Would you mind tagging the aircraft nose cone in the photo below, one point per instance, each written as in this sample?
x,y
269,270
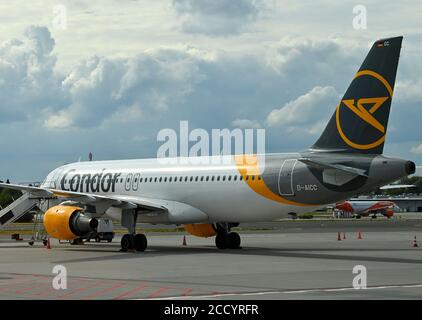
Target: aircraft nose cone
x,y
410,167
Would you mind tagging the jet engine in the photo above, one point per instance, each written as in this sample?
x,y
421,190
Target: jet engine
x,y
203,230
68,222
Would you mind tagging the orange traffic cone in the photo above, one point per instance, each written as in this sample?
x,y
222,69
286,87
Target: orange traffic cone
x,y
48,244
360,235
184,241
344,235
414,243
338,236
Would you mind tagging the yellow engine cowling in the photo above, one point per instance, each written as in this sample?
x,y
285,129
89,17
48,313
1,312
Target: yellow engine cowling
x,y
203,230
68,222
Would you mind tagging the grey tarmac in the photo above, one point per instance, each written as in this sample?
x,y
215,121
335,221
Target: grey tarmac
x,y
283,260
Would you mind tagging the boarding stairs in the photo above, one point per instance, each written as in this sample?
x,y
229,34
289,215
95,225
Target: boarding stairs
x,y
16,209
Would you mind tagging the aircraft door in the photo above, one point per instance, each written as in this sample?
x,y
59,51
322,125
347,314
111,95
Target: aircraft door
x,y
285,177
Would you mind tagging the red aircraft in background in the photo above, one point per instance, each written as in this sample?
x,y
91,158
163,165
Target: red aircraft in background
x,y
366,208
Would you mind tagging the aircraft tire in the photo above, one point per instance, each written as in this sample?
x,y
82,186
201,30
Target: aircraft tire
x,y
127,243
234,240
141,242
221,241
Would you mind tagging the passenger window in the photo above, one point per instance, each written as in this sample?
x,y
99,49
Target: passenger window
x,y
240,178
196,178
253,178
202,178
247,178
218,178
224,178
229,178
186,179
180,179
234,178
207,178
212,178
150,179
191,178
165,179
170,179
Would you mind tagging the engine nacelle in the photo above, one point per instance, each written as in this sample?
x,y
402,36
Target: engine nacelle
x,y
389,213
203,230
68,222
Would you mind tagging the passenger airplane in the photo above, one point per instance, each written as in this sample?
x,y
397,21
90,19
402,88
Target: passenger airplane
x,y
210,199
367,208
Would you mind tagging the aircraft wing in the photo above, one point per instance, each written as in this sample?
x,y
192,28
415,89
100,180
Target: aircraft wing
x,y
36,191
88,198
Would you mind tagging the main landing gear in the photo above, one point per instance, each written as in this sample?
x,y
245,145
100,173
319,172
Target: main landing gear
x,y
136,242
131,240
226,239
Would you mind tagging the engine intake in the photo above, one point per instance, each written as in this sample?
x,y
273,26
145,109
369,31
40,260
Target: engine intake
x,y
68,222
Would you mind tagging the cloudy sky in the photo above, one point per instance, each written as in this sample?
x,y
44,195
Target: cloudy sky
x,y
105,76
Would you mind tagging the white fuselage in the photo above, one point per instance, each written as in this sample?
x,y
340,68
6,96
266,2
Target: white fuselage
x,y
213,187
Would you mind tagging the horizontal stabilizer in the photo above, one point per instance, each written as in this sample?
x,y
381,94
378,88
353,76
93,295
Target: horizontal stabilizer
x,y
324,165
398,186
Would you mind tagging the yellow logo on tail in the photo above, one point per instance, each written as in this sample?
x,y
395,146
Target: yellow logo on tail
x,y
367,115
364,114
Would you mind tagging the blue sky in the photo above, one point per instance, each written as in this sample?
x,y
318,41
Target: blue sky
x,y
122,70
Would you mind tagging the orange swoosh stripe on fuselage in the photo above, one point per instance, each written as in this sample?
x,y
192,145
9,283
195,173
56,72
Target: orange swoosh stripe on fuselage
x,y
248,165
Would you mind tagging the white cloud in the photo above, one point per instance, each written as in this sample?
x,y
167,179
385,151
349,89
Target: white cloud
x,y
246,124
28,82
216,17
307,113
416,149
58,121
408,91
124,89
